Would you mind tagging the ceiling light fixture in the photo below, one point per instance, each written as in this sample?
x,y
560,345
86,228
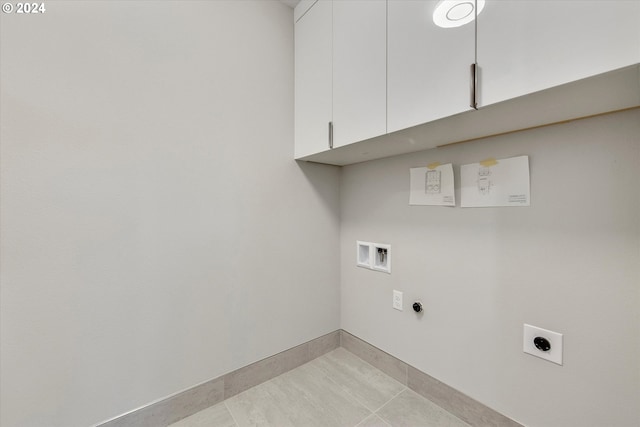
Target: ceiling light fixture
x,y
454,13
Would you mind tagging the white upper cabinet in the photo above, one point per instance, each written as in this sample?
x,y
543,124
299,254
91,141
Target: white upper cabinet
x,y
313,79
388,80
428,66
341,78
525,46
359,70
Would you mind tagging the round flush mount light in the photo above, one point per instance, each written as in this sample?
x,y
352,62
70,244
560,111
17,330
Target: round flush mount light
x,y
454,13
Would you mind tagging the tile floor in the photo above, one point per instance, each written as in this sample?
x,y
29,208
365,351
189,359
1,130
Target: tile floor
x,y
337,389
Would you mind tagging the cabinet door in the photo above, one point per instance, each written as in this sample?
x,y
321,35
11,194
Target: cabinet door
x,y
528,45
313,80
428,66
359,70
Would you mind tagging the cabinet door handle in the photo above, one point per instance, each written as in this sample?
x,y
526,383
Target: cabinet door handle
x,y
474,85
330,134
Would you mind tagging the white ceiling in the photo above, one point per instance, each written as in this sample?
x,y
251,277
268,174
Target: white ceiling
x,y
291,3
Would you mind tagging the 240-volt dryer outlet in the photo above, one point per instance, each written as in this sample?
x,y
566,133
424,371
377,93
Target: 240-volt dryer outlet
x,y
542,343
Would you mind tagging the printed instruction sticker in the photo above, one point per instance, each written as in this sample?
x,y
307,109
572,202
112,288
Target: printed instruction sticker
x,y
432,185
493,182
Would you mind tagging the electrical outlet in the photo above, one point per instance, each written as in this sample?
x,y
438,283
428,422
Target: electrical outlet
x,y
397,300
542,343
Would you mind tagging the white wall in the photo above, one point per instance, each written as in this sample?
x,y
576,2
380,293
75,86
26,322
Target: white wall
x,y
569,263
156,232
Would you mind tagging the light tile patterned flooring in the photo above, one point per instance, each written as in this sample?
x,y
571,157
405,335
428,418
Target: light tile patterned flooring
x,y
337,389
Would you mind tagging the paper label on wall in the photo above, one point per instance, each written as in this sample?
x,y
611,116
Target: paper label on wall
x,y
432,186
502,182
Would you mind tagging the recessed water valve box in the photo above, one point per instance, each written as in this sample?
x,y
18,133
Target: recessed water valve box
x,y
542,343
374,256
